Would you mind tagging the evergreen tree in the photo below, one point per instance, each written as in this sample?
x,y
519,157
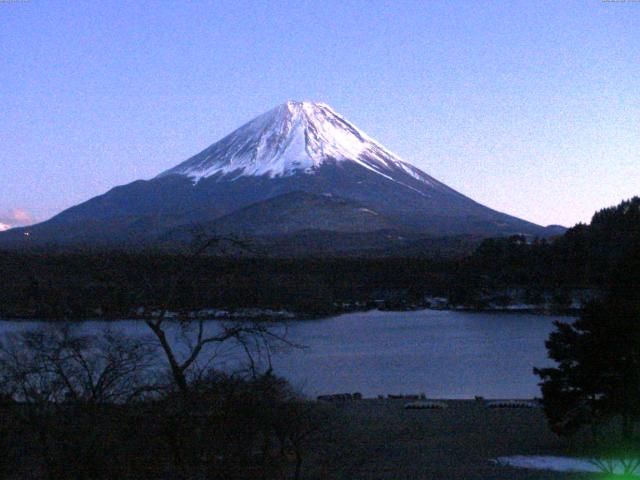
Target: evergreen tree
x,y
597,377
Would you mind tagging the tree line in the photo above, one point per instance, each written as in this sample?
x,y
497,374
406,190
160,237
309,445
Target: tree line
x,y
114,284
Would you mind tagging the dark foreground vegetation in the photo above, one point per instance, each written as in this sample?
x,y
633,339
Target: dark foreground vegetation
x,y
82,406
78,406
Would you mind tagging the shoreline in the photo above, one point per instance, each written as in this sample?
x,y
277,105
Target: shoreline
x,y
295,316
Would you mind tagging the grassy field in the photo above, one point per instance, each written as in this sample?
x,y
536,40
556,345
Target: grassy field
x,y
379,439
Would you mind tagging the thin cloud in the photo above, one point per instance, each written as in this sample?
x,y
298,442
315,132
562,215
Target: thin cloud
x,y
22,216
17,217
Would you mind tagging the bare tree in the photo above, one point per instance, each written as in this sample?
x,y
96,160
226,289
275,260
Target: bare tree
x,y
255,339
56,364
70,389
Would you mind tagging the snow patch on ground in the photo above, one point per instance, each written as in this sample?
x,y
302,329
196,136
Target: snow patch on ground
x,y
366,210
557,464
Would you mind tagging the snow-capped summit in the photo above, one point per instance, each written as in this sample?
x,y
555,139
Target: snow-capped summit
x,y
293,137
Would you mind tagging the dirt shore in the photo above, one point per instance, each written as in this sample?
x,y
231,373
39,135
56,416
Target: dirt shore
x,y
379,439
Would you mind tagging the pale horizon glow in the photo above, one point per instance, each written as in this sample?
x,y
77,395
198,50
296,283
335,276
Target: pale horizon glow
x,y
530,108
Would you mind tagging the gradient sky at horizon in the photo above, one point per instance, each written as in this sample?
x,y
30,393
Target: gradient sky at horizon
x,y
529,107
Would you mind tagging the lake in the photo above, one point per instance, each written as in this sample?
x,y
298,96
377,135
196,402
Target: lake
x,y
444,354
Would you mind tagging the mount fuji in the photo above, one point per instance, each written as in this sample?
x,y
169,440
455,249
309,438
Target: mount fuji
x,y
298,173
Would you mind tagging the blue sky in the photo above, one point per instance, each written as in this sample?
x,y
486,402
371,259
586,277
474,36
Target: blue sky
x,y
530,107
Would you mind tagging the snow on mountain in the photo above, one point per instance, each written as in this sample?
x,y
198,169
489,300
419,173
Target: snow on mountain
x,y
298,167
4,226
293,137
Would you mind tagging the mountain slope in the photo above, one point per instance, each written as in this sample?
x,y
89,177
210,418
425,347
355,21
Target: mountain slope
x,y
297,211
297,147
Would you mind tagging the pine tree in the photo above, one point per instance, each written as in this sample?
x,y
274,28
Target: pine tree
x,y
597,377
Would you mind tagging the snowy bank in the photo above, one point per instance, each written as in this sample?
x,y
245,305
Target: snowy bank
x,y
560,464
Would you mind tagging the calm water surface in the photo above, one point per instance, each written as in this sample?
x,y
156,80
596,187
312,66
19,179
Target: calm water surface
x,y
445,354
